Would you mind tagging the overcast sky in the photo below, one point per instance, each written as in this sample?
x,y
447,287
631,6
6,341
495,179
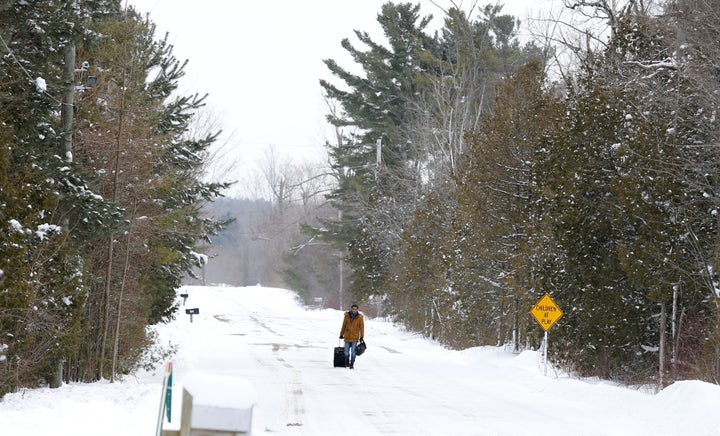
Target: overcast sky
x,y
261,62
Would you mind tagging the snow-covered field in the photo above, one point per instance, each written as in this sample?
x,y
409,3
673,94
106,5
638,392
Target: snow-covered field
x,y
403,384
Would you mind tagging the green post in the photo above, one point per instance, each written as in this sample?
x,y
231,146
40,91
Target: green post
x,y
165,399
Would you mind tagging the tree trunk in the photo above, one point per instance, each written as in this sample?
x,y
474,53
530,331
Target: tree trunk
x,y
661,354
106,321
115,195
118,316
55,379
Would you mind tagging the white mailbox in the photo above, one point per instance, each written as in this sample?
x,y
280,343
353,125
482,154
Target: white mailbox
x,y
222,405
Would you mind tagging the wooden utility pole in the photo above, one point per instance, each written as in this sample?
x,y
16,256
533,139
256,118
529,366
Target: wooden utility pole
x,y
68,105
66,118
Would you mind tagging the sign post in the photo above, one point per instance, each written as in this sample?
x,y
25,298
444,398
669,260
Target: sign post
x,y
165,399
546,313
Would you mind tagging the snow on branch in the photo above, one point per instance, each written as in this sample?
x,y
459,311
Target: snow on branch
x,y
668,63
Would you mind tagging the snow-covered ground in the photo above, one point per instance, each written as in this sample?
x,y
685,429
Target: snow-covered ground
x,y
402,385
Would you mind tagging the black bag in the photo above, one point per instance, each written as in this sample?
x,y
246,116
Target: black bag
x,y
361,347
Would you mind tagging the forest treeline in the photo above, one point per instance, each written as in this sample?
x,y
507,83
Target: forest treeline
x,y
101,191
266,245
477,171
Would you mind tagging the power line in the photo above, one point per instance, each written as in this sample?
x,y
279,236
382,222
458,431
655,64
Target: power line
x,y
12,55
275,144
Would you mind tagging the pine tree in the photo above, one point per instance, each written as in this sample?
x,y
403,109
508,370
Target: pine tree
x,y
456,97
411,92
376,197
133,139
43,194
119,171
476,55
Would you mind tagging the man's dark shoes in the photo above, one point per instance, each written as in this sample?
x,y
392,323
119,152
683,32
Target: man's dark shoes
x,y
352,365
347,363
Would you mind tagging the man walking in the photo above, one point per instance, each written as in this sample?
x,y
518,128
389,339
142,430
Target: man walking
x,y
352,330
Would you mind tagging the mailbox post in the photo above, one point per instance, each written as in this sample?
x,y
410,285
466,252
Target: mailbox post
x,y
191,312
184,297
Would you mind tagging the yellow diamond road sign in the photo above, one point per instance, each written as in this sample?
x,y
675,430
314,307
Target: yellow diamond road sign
x,y
546,312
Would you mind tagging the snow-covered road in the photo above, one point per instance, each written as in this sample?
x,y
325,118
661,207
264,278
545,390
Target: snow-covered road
x,y
402,385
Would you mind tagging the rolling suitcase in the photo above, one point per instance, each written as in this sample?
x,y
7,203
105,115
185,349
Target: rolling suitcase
x,y
339,357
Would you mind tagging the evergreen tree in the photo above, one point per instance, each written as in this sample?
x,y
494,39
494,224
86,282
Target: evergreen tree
x,y
133,140
417,87
419,289
494,255
579,176
633,218
457,97
476,54
376,197
114,182
43,195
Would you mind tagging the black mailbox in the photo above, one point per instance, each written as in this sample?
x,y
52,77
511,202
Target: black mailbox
x,y
184,297
191,312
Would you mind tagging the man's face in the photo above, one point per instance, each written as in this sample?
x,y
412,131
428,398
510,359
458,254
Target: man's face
x,y
354,309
